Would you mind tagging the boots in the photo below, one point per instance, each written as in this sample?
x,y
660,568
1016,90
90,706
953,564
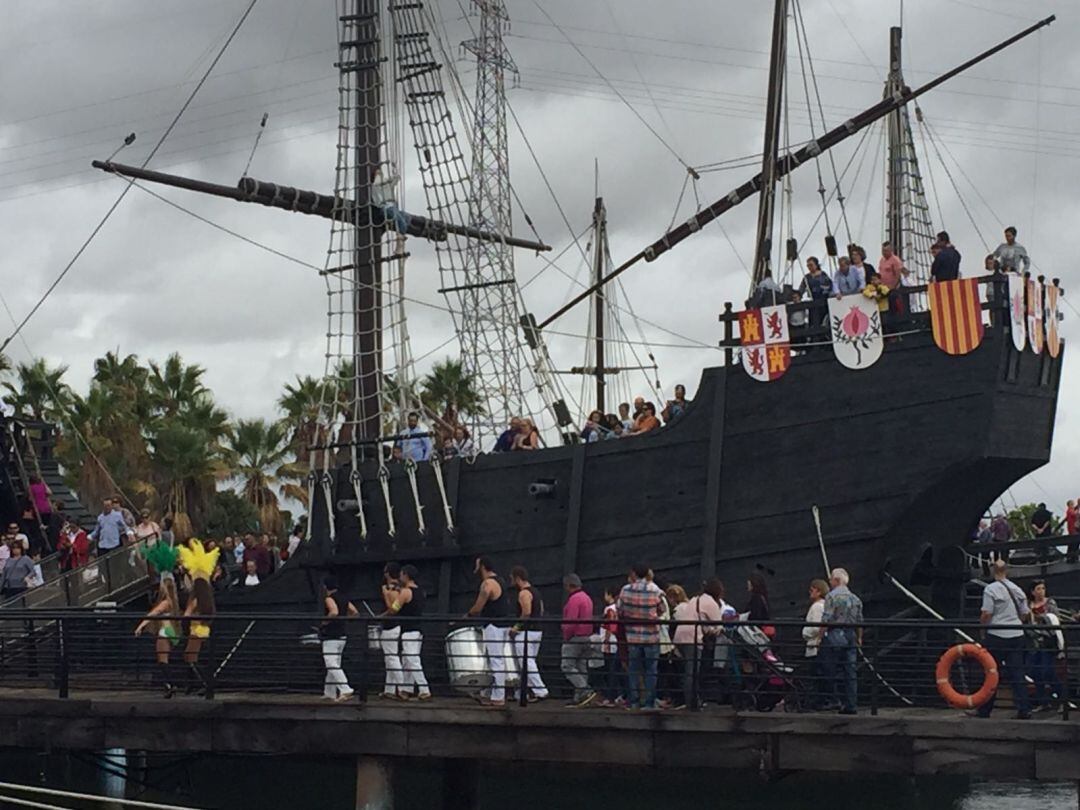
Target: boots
x,y
165,679
195,683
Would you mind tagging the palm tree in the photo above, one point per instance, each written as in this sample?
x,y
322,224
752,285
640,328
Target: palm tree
x,y
187,466
301,404
175,385
449,391
39,391
258,450
125,377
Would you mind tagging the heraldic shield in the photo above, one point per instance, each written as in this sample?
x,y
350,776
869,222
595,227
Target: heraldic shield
x,y
1017,312
766,349
855,324
1035,316
956,315
1053,339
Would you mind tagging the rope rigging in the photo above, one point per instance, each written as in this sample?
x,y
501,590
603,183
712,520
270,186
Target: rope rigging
x,y
124,192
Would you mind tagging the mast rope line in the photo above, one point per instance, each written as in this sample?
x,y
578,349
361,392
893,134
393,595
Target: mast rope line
x,y
127,188
614,89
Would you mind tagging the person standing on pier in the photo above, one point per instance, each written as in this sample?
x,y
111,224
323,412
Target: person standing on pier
x,y
167,634
527,639
639,603
840,643
332,635
493,604
409,607
577,630
390,637
1004,603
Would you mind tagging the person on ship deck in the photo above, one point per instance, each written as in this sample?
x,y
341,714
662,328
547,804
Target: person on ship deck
x,y
946,266
647,421
1011,255
675,408
820,286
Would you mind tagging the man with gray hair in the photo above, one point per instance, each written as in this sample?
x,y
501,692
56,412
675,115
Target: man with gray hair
x,y
1004,603
840,643
577,630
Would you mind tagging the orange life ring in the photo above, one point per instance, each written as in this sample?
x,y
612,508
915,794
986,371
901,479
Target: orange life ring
x,y
990,681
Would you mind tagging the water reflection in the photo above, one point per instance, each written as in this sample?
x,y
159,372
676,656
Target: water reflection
x,y
302,783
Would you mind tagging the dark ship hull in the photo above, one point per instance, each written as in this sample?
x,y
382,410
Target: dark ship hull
x,y
900,458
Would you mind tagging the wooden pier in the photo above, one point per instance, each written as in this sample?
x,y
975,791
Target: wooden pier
x,y
896,741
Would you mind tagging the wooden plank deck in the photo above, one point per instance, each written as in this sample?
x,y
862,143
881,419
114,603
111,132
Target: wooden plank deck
x,y
905,742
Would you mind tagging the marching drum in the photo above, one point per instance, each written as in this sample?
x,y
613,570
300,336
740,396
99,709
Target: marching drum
x,y
466,664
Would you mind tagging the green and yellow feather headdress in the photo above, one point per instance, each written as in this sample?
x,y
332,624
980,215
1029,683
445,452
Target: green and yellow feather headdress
x,y
197,560
161,556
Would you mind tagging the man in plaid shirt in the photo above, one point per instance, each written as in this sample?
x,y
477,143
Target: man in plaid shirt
x,y
639,603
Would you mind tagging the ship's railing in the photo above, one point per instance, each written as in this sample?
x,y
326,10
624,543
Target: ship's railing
x,y
908,320
751,666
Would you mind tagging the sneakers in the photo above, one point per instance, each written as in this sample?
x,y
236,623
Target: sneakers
x,y
586,700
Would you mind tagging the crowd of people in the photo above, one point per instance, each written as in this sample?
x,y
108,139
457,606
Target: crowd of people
x,y
416,443
885,283
660,647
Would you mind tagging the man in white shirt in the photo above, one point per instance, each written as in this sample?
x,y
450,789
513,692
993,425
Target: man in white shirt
x,y
1004,603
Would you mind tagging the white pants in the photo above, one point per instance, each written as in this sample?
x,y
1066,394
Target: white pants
x,y
336,684
530,648
413,675
390,641
495,639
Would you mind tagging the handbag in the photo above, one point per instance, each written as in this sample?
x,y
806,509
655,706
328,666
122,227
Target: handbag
x,y
1028,640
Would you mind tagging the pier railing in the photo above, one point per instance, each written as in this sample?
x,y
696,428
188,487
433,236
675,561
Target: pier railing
x,y
751,666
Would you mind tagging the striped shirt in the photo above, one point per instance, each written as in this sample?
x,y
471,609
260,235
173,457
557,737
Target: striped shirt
x,y
640,601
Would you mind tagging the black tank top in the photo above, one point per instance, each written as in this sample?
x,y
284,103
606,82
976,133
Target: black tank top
x,y
411,610
537,604
497,610
335,628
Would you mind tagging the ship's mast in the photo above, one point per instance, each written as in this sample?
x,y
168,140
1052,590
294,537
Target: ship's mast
x,y
599,302
895,123
769,171
907,214
360,57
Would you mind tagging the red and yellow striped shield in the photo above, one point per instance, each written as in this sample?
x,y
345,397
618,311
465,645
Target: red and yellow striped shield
x,y
956,315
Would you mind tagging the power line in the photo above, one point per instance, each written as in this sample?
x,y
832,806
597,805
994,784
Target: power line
x,y
630,106
127,188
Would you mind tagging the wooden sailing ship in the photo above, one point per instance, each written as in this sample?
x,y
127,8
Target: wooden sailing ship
x,y
899,459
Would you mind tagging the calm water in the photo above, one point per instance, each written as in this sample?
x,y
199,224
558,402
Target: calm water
x,y
278,783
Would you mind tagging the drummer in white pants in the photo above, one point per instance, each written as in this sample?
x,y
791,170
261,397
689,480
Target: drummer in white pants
x,y
527,641
493,603
390,639
409,606
336,686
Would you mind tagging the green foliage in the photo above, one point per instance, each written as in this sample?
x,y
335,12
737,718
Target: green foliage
x,y
1020,521
229,513
39,391
449,392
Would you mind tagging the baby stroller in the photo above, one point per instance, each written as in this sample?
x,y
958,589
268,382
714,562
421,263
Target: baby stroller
x,y
759,678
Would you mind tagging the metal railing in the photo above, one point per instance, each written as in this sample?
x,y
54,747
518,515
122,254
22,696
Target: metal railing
x,y
112,575
747,666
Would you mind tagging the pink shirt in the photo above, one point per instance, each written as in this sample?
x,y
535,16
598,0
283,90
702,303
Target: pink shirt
x,y
699,609
577,616
40,493
889,270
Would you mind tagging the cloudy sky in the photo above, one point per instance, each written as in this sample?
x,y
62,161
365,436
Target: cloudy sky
x,y
77,76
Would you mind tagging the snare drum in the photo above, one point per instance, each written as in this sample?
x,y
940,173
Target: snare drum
x,y
466,664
